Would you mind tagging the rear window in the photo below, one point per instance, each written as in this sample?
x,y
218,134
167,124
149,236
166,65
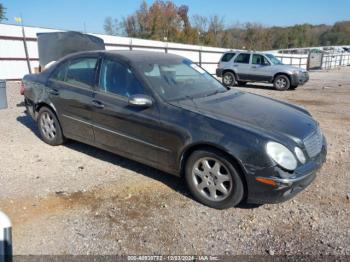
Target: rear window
x,y
243,58
60,72
81,72
227,57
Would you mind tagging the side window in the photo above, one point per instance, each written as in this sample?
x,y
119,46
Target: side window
x,y
242,58
259,60
60,72
81,72
118,79
227,57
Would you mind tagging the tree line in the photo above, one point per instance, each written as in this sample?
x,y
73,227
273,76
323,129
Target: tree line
x,y
2,12
165,21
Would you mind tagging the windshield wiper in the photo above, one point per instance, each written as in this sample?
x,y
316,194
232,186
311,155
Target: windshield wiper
x,y
215,92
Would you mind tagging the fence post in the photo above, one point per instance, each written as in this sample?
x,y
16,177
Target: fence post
x,y
130,44
5,238
200,56
3,97
341,60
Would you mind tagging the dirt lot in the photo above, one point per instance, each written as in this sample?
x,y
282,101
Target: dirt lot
x,y
75,199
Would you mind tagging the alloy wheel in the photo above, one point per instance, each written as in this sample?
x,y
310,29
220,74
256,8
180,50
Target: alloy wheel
x,y
48,126
281,83
212,179
228,79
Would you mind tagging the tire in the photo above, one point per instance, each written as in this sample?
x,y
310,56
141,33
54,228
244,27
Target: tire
x,y
49,127
293,87
241,83
281,83
217,189
228,79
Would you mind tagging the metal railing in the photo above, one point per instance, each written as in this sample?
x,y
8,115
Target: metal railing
x,y
328,60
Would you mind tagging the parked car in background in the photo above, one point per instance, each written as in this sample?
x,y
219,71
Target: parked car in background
x,y
165,111
242,67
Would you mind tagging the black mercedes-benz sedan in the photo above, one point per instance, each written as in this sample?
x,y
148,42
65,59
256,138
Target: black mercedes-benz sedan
x,y
165,111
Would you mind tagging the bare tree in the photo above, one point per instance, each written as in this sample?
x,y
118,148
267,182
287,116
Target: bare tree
x,y
112,27
216,24
200,23
109,26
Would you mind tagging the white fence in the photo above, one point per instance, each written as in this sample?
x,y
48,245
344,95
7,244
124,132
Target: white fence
x,y
14,63
13,60
328,61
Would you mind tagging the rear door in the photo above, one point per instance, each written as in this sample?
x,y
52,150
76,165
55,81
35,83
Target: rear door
x,y
260,68
70,89
118,126
241,66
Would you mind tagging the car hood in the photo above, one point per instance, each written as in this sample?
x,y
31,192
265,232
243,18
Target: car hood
x,y
288,68
275,118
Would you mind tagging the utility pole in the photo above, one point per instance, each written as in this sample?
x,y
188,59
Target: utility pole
x,y
20,21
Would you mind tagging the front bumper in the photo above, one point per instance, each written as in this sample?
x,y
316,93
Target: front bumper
x,y
288,185
300,79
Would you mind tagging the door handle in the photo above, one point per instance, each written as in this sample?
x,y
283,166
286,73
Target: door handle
x,y
54,92
98,104
254,66
235,65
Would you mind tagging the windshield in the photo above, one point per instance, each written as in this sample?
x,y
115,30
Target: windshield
x,y
274,60
180,80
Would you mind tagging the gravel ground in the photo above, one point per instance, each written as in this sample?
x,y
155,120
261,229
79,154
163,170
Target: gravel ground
x,y
75,199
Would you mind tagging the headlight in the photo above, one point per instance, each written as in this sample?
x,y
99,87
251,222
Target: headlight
x,y
281,155
300,155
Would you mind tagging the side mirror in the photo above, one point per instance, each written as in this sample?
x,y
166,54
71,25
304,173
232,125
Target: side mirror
x,y
140,101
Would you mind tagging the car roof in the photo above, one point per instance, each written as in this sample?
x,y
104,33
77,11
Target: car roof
x,y
135,56
244,51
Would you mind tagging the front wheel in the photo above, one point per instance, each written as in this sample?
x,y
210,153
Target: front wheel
x,y
281,83
213,180
49,127
228,79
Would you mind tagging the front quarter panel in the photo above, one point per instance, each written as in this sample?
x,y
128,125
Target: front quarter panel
x,y
183,129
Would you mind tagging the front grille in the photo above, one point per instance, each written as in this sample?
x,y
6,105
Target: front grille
x,y
313,143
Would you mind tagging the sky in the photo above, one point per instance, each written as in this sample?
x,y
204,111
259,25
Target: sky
x,y
75,14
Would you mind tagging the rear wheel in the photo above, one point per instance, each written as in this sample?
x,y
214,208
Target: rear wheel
x,y
281,83
293,87
228,79
49,127
213,180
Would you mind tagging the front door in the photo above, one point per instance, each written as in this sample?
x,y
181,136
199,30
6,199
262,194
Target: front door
x,y
260,68
71,91
119,127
